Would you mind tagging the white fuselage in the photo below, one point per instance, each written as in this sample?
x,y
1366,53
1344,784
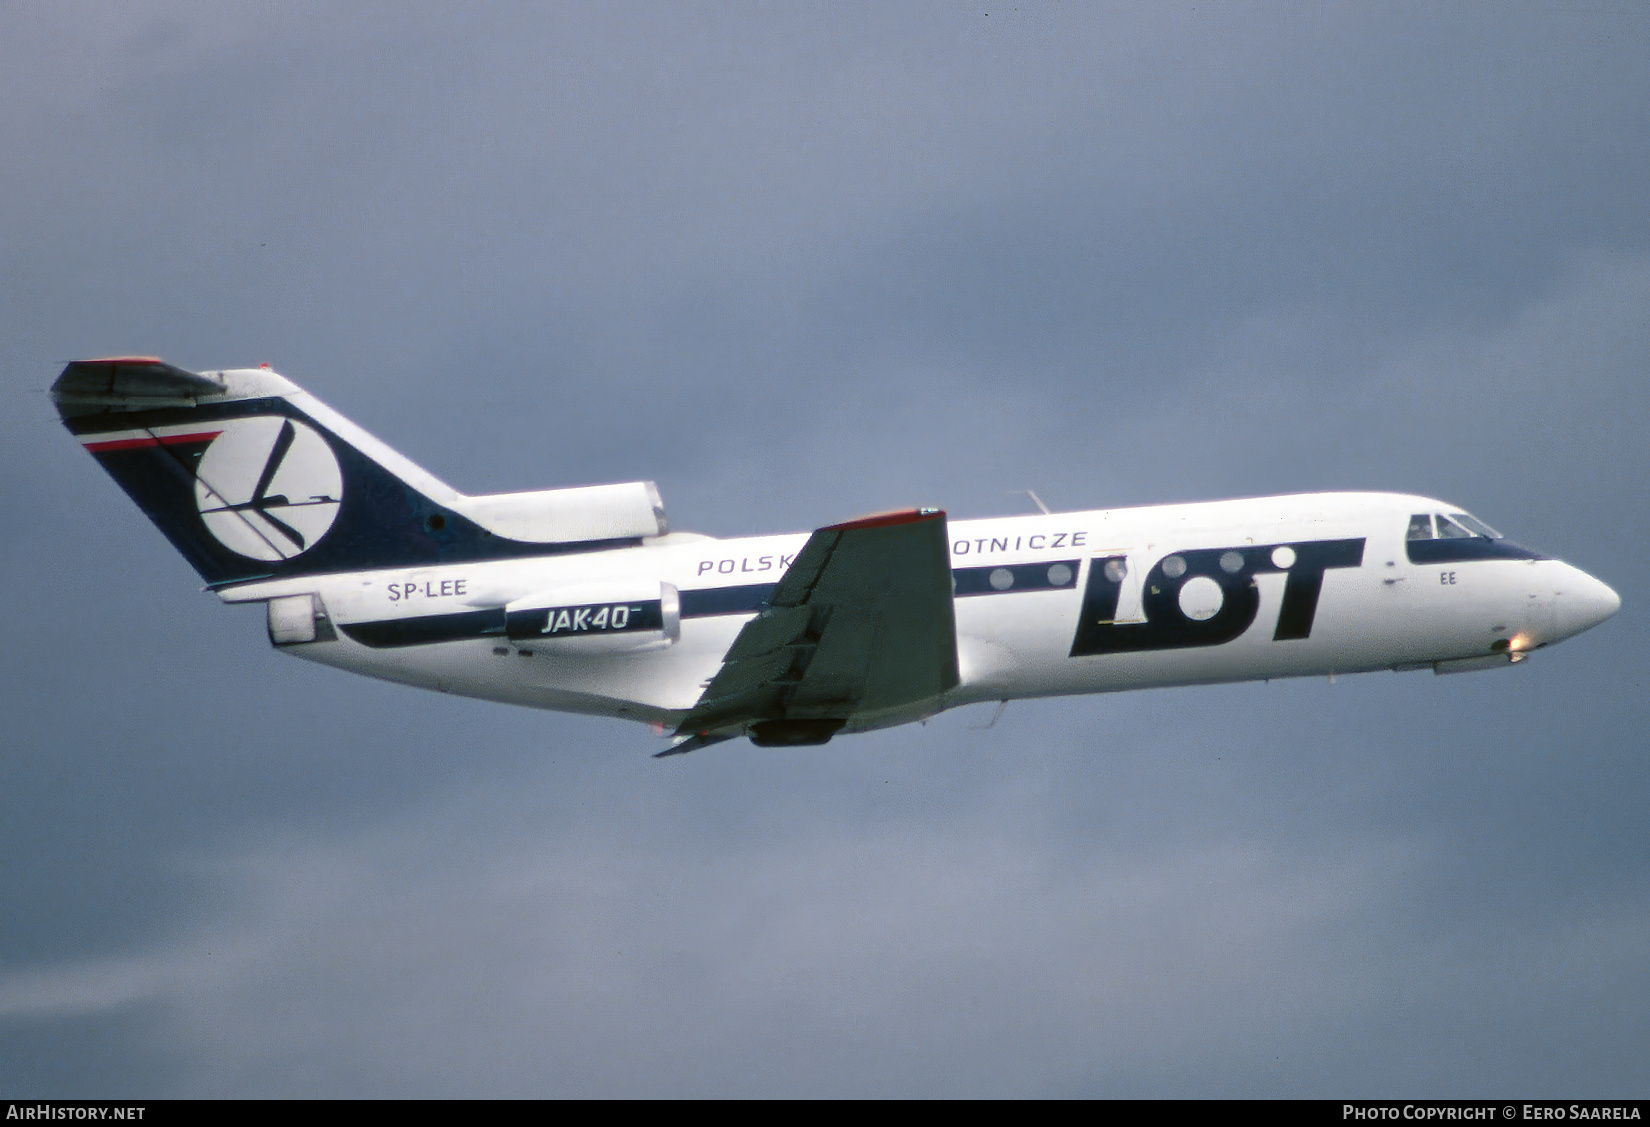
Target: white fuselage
x,y
1018,614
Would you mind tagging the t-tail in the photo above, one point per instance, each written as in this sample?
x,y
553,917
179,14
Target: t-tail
x,y
250,477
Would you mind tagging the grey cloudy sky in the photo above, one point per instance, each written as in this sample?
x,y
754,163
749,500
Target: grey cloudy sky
x,y
797,263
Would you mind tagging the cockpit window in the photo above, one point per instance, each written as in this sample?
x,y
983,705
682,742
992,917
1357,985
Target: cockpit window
x,y
1455,526
1450,538
1449,530
1474,525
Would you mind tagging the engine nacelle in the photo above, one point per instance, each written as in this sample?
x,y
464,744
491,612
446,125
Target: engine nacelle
x,y
594,618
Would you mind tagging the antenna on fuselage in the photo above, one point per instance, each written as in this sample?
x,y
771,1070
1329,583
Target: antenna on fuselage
x,y
1035,500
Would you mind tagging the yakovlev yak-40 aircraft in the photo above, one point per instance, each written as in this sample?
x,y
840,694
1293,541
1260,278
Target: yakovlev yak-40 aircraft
x,y
583,600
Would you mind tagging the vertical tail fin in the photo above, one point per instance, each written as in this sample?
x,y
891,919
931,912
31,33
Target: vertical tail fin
x,y
250,478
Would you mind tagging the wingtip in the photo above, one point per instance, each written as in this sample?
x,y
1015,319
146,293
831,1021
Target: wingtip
x,y
693,742
885,520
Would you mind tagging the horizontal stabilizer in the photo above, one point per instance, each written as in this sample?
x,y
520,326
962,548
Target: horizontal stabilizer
x,y
127,383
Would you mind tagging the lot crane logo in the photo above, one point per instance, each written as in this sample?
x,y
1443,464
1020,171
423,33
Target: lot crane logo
x,y
268,487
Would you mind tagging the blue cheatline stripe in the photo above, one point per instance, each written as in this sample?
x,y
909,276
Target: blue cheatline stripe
x,y
1463,549
708,602
427,629
1004,579
725,600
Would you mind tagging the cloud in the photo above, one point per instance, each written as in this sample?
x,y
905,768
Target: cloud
x,y
795,266
567,960
952,940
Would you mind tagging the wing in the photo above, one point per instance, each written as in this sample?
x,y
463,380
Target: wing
x,y
861,623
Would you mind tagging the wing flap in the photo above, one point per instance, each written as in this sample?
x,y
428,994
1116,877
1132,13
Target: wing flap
x,y
860,623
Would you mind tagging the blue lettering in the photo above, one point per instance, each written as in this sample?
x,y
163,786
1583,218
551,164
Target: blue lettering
x,y
1167,626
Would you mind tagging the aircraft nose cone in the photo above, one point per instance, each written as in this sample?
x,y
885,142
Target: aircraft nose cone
x,y
1586,602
